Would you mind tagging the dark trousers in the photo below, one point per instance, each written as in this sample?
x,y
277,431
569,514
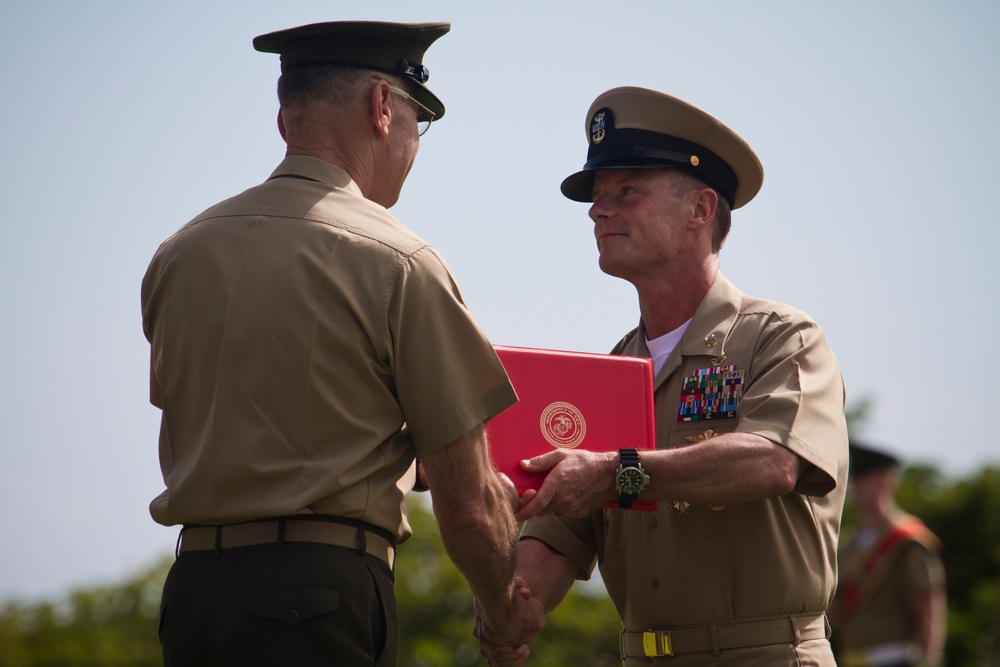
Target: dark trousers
x,y
301,604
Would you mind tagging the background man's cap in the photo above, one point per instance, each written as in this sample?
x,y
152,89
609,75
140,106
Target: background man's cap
x,y
865,458
638,128
394,48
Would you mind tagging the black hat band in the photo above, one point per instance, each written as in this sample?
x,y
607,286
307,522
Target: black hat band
x,y
624,147
406,68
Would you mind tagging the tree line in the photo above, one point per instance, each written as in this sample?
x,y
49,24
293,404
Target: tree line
x,y
116,625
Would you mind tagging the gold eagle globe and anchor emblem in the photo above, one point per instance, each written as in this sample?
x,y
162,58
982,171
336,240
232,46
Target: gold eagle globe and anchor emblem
x,y
563,425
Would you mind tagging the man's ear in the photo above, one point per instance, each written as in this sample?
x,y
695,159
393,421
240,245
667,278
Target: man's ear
x,y
705,204
281,127
379,108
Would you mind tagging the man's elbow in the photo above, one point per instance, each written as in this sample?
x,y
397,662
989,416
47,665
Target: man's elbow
x,y
464,518
784,477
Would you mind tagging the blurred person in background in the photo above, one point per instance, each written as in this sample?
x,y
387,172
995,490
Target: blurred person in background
x,y
891,603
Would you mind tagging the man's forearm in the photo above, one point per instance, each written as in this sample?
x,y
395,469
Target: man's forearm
x,y
475,518
480,537
547,573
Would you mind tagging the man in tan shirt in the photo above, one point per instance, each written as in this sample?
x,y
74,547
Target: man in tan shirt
x,y
738,563
305,346
891,604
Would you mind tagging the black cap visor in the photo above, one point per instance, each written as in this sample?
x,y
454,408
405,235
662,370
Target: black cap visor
x,y
642,149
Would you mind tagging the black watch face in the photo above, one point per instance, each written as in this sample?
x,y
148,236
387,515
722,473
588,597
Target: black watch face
x,y
630,481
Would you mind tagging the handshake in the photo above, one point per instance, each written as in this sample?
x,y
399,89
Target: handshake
x,y
506,631
508,640
514,583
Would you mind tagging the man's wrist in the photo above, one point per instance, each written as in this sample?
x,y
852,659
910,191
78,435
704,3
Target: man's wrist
x,y
614,461
630,478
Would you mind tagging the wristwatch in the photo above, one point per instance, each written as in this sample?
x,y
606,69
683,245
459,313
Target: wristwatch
x,y
630,478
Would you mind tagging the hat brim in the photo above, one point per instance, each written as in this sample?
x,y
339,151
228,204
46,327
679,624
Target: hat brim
x,y
640,128
580,186
424,95
393,48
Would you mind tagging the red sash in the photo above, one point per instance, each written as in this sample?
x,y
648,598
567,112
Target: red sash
x,y
912,528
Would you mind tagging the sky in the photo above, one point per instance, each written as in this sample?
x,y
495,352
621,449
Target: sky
x,y
876,123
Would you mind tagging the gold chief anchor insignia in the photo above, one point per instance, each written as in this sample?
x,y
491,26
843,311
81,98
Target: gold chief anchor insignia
x,y
682,505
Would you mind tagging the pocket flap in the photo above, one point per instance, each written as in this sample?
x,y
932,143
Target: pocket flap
x,y
292,604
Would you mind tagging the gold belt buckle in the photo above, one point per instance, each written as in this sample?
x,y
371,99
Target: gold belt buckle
x,y
656,644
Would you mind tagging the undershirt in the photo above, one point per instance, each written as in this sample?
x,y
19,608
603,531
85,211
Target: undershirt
x,y
661,346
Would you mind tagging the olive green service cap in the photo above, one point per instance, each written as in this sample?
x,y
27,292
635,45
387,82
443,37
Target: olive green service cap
x,y
865,458
639,128
394,48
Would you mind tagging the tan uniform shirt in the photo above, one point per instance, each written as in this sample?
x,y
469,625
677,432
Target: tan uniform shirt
x,y
885,613
669,569
304,345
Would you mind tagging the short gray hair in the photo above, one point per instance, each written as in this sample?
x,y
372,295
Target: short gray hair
x,y
335,84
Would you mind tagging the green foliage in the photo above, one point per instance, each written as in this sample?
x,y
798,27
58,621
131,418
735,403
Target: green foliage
x,y
436,612
857,414
582,631
965,515
112,626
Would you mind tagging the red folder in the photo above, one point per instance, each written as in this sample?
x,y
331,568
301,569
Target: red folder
x,y
598,402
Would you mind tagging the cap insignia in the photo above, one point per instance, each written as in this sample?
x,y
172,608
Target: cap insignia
x,y
599,126
414,70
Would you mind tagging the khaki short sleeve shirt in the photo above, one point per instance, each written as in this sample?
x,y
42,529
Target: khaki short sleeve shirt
x,y
702,565
304,346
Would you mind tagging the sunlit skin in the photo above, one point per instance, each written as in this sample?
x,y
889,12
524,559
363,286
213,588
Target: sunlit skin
x,y
656,239
376,142
637,222
401,149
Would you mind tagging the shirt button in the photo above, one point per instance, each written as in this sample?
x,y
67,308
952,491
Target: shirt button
x,y
293,614
652,522
655,583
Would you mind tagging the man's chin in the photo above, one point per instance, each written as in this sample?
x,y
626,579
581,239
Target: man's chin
x,y
609,266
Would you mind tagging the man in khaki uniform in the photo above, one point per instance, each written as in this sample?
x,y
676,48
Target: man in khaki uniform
x,y
738,563
305,346
891,604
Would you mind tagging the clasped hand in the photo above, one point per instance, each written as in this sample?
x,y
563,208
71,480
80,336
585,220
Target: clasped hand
x,y
510,642
577,482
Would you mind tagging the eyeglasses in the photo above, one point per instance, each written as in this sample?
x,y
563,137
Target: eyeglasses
x,y
424,115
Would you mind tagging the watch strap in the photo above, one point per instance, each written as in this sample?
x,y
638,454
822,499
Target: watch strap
x,y
627,458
